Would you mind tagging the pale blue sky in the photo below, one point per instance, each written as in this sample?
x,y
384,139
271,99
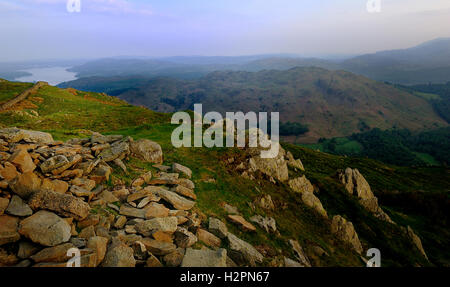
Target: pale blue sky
x,y
37,29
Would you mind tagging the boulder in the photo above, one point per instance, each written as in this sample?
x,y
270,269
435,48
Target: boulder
x,y
273,167
132,212
4,202
301,184
174,258
8,229
8,171
184,238
267,223
175,200
85,183
299,253
164,224
99,245
53,254
184,191
25,184
63,204
242,252
13,135
345,231
158,247
17,207
53,163
154,210
241,222
355,183
309,199
152,261
22,160
176,167
56,185
265,202
147,150
218,228
117,150
45,228
119,256
208,238
294,163
205,258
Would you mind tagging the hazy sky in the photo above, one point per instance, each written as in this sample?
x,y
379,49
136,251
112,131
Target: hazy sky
x,y
38,29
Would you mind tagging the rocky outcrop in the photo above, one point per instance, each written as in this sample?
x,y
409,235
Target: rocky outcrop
x,y
345,231
303,186
357,185
299,254
147,150
415,240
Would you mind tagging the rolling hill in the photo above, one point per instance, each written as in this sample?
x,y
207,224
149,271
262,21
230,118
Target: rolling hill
x,y
330,103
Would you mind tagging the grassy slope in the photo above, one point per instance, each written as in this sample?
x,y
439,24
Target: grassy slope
x,y
66,115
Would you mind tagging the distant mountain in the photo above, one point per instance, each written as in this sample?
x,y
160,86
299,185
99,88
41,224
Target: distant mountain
x,y
425,63
192,67
330,103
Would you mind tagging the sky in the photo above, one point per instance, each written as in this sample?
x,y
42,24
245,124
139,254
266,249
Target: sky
x,y
47,29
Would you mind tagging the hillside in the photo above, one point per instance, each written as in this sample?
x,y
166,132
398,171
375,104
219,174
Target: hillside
x,y
416,197
428,62
330,103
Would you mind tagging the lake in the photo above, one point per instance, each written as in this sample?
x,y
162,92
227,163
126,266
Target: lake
x,y
52,75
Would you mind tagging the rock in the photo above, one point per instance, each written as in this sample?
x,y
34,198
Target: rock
x,y
176,167
78,242
119,256
154,210
87,232
161,167
241,222
175,200
85,183
184,191
81,192
117,150
242,252
295,163
267,223
174,258
8,171
8,229
357,185
120,164
63,204
265,202
22,160
208,238
7,259
91,219
186,183
53,254
158,247
345,231
132,212
26,249
99,245
184,238
120,222
4,202
54,163
121,194
149,191
97,138
147,150
273,167
299,253
312,201
152,261
101,173
107,197
301,184
163,236
205,258
18,208
218,228
230,209
164,224
291,263
45,228
25,184
415,240
13,135
58,186
140,252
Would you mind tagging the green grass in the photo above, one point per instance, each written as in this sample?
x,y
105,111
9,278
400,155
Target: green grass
x,y
9,90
